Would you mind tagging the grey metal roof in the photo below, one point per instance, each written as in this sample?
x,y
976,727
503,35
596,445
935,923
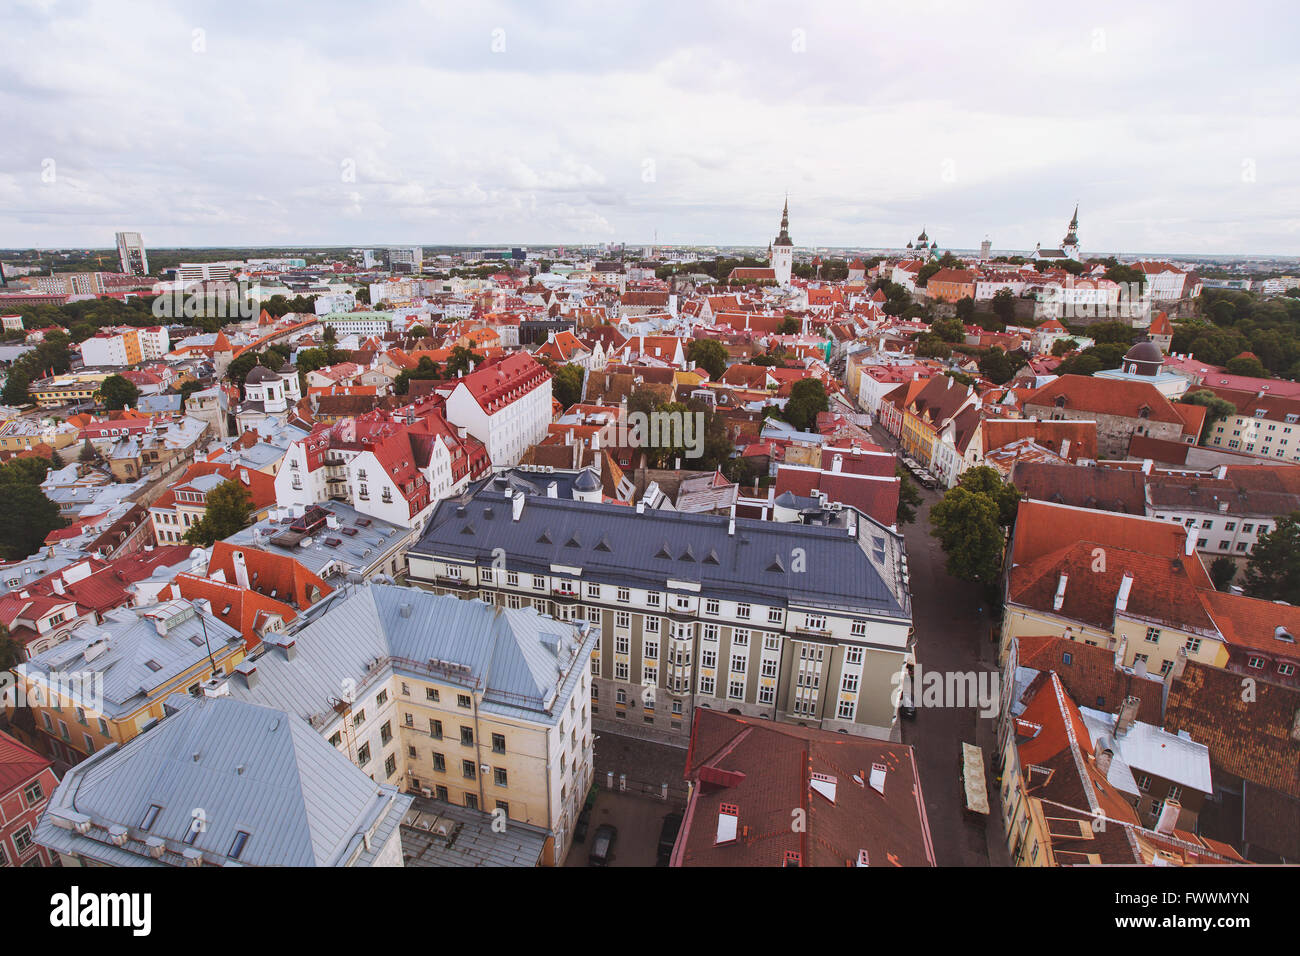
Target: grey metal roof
x,y
246,767
436,833
137,658
615,544
511,657
358,543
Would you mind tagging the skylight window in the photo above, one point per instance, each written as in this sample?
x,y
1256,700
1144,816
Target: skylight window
x,y
150,816
238,843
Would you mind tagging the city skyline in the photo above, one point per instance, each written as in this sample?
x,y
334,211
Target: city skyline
x,y
494,124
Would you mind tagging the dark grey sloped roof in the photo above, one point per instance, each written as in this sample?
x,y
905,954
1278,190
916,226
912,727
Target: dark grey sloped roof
x,y
614,544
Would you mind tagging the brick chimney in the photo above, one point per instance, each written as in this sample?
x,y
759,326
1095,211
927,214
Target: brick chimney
x,y
1127,716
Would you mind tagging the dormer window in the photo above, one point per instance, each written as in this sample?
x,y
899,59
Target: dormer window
x,y
1060,401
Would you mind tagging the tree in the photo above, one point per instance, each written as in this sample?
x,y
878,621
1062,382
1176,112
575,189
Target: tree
x,y
966,525
929,345
965,308
984,480
1061,346
460,359
1246,365
424,369
1274,569
1217,408
418,332
566,385
950,330
226,513
1000,367
26,519
331,334
909,498
11,652
710,355
1222,570
31,471
88,453
1004,306
15,391
807,398
789,326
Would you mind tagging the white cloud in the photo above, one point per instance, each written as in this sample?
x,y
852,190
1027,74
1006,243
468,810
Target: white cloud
x,y
327,124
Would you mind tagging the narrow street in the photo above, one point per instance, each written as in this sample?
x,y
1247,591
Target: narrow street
x,y
952,635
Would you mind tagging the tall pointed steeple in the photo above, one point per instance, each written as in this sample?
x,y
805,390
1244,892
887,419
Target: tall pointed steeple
x,y
782,253
784,238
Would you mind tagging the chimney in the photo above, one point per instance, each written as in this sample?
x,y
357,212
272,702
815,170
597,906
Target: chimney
x,y
1125,588
1065,448
1127,715
57,583
1169,816
1102,760
1059,600
731,522
1189,546
241,569
837,463
517,505
1146,466
289,649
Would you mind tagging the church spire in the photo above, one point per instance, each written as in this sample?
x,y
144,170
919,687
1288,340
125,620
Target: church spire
x,y
784,238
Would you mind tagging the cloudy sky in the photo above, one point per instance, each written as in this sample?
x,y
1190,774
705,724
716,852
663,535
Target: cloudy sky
x,y
228,123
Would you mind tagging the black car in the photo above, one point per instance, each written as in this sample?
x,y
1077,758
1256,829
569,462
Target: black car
x,y
602,845
668,837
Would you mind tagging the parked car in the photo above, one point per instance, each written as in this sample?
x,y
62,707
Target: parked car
x,y
602,845
668,837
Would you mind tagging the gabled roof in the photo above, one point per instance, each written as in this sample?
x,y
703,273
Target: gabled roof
x,y
19,764
251,768
756,771
1107,396
1249,735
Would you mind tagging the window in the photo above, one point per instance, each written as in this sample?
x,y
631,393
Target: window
x,y
1286,670
237,844
708,658
593,591
622,619
431,693
498,743
853,655
435,729
539,582
815,623
706,685
499,776
650,650
390,765
845,710
336,738
1193,645
363,755
467,769
774,615
471,801
464,701
1153,635
620,670
768,668
651,625
439,763
622,644
504,808
33,794
1255,662
742,612
512,579
653,598
740,637
386,732
466,736
359,718
739,662
711,608
624,595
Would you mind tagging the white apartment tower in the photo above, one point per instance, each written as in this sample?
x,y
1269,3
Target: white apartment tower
x,y
132,255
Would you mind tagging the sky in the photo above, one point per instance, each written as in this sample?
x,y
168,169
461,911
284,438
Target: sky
x,y
327,123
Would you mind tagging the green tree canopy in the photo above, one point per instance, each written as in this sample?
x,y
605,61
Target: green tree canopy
x,y
117,393
1004,306
26,518
227,511
909,498
1274,569
566,385
807,398
710,355
1217,408
966,524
